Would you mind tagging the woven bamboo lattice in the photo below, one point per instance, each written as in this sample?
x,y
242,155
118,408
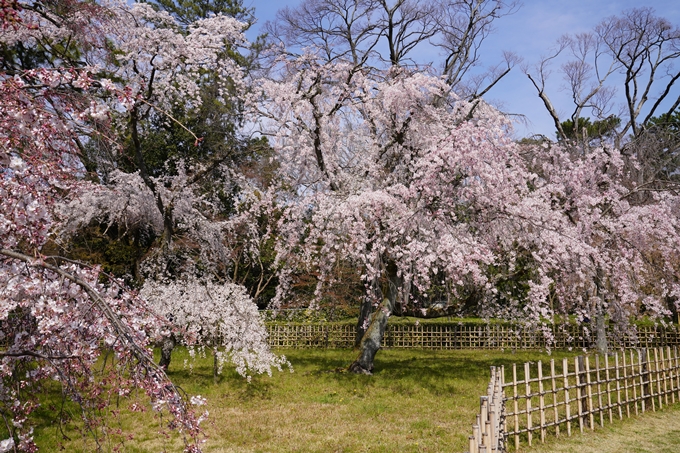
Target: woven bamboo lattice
x,y
439,335
317,335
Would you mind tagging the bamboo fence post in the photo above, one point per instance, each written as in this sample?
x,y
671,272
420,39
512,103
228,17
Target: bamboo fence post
x,y
633,380
484,417
527,387
504,418
488,432
657,377
677,370
661,376
666,373
580,396
554,398
494,430
516,404
671,373
644,386
589,388
541,400
485,437
487,409
609,388
567,403
654,380
503,378
649,380
599,389
618,384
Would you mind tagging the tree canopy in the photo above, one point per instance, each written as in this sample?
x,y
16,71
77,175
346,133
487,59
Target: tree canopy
x,y
217,175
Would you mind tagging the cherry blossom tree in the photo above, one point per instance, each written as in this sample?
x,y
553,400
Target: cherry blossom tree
x,y
75,74
57,317
383,173
221,317
622,75
418,188
611,257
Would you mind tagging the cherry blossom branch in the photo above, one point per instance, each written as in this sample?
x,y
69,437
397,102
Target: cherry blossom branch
x,y
37,355
91,292
122,331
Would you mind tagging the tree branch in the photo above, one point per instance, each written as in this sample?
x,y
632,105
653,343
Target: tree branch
x,y
37,355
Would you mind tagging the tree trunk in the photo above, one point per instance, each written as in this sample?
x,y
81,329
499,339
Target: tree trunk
x,y
601,341
370,343
167,345
364,320
216,368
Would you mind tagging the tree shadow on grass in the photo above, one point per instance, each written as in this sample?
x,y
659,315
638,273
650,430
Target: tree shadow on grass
x,y
320,360
229,383
404,371
438,372
407,372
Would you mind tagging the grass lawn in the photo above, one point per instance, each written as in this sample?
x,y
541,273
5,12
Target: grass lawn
x,y
416,401
653,432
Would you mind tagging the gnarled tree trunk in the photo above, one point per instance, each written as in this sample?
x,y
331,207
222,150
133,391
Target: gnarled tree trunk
x,y
167,345
373,295
364,320
370,343
373,336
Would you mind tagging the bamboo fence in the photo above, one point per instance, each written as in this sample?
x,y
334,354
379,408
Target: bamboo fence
x,y
453,335
311,335
580,393
487,432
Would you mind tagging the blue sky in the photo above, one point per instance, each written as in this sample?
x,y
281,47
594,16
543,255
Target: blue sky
x,y
530,33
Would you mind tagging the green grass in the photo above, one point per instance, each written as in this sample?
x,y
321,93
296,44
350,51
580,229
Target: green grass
x,y
416,401
653,432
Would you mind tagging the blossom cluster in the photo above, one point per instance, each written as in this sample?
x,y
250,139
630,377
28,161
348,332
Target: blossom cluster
x,y
221,317
389,168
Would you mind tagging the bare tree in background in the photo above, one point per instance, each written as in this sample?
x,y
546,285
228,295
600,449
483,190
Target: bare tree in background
x,y
375,33
341,29
646,47
463,26
636,51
